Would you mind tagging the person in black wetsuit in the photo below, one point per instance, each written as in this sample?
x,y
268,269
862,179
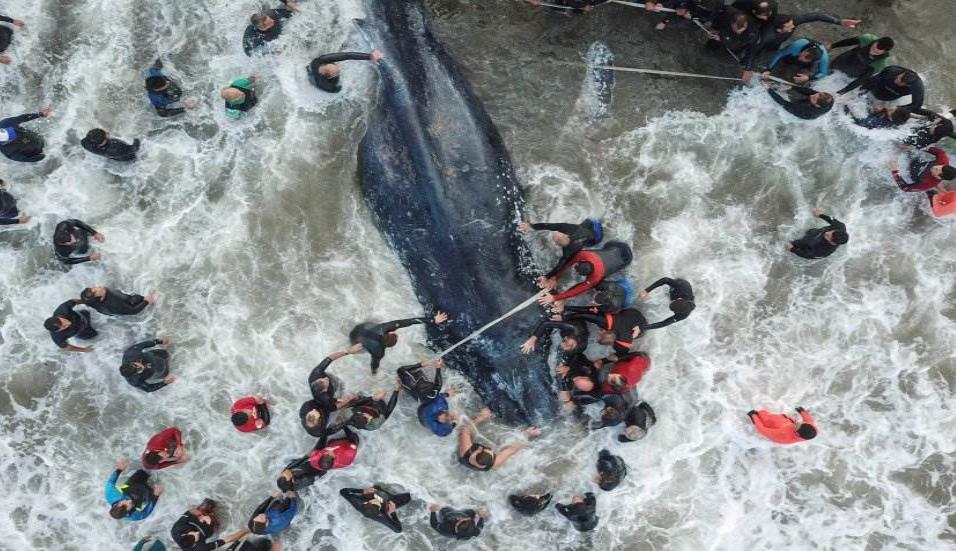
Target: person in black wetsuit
x,y
376,337
255,543
461,524
369,413
115,303
578,383
478,457
378,504
582,512
298,474
936,128
615,294
896,82
192,530
18,143
9,213
266,26
738,33
820,242
6,36
881,116
71,237
614,411
145,367
801,102
65,323
782,27
574,335
572,238
98,142
529,504
316,413
324,72
868,57
639,419
433,411
682,300
618,329
611,470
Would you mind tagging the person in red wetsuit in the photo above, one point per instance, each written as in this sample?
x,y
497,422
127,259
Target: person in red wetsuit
x,y
594,265
926,175
164,449
250,414
624,374
784,429
336,453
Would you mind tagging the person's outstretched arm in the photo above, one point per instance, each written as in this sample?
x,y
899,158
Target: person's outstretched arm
x,y
846,42
341,56
836,224
13,121
391,405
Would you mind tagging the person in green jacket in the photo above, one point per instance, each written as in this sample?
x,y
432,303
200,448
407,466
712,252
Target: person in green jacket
x,y
149,544
869,56
240,96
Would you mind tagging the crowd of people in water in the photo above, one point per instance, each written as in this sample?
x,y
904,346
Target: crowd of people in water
x,y
594,295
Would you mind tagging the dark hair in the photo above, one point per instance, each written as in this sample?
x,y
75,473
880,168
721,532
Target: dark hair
x,y
153,458
682,307
370,509
886,43
617,384
948,173
485,458
285,484
61,234
741,18
584,268
909,77
780,20
390,339
119,510
766,7
944,129
611,416
258,18
97,135
258,527
840,237
189,539
603,298
467,528
814,50
807,432
358,420
826,99
608,480
87,294
52,324
156,83
900,115
240,418
127,370
326,461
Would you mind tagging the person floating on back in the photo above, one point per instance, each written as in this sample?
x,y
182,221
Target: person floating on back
x,y
164,93
135,498
572,238
266,26
71,242
99,142
324,71
240,96
869,56
378,504
478,457
461,524
193,529
9,213
164,449
374,338
18,143
682,300
926,175
433,411
594,265
146,367
275,514
66,323
115,303
250,414
611,470
6,37
784,429
582,512
820,242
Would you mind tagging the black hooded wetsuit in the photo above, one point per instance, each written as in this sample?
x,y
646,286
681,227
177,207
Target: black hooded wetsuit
x,y
253,38
156,364
461,524
27,146
77,229
583,516
332,85
80,325
372,336
798,104
680,289
118,303
359,499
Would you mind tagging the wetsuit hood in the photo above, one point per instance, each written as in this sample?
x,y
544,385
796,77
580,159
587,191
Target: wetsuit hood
x,y
8,134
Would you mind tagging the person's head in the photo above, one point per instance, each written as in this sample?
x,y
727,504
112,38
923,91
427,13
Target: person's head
x,y
943,172
313,418
62,235
837,237
466,528
360,420
822,99
765,10
322,384
617,382
157,83
259,523
53,325
131,368
239,418
444,418
190,539
582,383
93,293
484,458
390,339
806,431
121,508
881,46
232,94
326,460
97,136
569,343
682,307
584,268
941,127
740,24
905,78
810,54
608,480
262,21
370,508
611,416
898,115
784,23
5,135
561,239
330,70
155,457
633,433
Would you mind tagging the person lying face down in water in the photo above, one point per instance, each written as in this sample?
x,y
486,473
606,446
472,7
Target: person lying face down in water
x,y
478,457
376,337
820,242
324,71
115,303
461,524
801,102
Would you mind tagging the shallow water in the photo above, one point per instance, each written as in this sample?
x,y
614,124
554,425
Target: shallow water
x,y
257,239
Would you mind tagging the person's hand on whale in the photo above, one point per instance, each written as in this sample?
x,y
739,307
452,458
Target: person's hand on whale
x,y
545,282
440,317
376,56
527,346
545,300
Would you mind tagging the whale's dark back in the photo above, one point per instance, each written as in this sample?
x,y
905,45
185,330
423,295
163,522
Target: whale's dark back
x,y
436,175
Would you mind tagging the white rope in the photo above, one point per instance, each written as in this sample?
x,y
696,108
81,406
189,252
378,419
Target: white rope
x,y
493,322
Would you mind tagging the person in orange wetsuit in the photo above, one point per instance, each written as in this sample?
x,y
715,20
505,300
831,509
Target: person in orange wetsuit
x,y
782,428
594,265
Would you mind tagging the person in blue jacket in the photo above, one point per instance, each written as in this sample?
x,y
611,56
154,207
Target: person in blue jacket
x,y
164,93
433,413
800,62
135,498
275,514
